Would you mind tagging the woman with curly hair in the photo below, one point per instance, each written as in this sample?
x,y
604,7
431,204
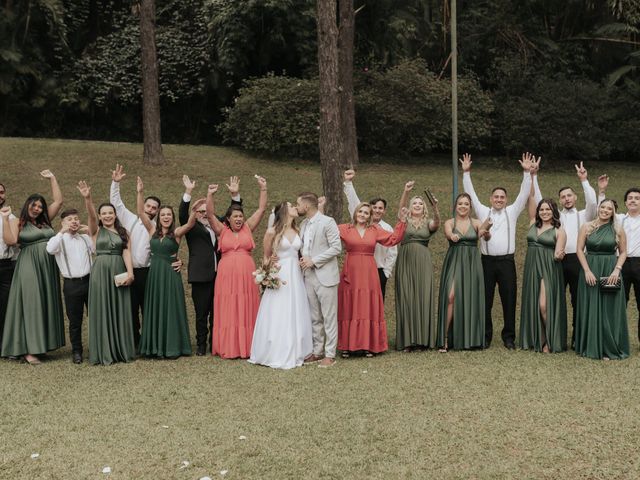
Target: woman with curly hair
x,y
543,311
416,326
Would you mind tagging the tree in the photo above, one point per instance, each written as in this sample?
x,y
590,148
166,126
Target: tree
x,y
152,152
346,34
330,134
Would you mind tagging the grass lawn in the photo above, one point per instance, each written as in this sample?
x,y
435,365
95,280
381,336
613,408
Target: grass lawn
x,y
486,414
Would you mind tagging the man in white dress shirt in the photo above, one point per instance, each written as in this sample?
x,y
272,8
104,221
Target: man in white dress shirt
x,y
140,248
497,253
385,257
630,221
572,219
73,252
8,257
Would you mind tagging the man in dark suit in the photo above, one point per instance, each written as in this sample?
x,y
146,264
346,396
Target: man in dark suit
x,y
203,259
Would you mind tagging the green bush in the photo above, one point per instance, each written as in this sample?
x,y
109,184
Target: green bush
x,y
274,115
558,117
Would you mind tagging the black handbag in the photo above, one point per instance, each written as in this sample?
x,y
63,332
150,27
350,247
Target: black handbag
x,y
606,287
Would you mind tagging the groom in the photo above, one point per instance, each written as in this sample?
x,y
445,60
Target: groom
x,y
320,248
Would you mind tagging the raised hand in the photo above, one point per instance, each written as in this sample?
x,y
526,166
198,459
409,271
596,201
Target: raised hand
x,y
603,182
47,174
526,161
262,182
349,175
409,185
189,184
403,214
322,203
118,174
84,189
465,162
139,185
534,165
233,185
212,189
581,172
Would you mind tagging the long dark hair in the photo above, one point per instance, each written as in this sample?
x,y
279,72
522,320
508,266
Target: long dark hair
x,y
234,207
42,219
122,232
172,227
555,221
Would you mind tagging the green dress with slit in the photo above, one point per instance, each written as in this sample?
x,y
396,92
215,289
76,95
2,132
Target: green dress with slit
x,y
165,331
415,322
601,317
110,321
462,270
541,267
34,322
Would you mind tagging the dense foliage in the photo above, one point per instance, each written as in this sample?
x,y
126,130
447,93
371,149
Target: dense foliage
x,y
562,78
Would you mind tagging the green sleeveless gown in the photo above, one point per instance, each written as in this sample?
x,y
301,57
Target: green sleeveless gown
x,y
165,331
110,322
34,322
462,268
601,318
540,265
415,323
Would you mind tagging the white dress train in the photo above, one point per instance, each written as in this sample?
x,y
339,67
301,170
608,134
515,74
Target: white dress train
x,y
282,337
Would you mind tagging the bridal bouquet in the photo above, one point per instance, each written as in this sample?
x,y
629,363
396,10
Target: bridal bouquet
x,y
267,277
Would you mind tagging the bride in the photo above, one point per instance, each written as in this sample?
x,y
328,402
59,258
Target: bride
x,y
282,335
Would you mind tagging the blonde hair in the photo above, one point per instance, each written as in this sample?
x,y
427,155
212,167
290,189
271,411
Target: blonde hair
x,y
281,214
425,213
593,225
354,220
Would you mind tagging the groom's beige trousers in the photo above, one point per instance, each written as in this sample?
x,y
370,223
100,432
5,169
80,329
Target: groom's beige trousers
x,y
323,302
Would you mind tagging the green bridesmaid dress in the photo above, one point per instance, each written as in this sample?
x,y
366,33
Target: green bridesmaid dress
x,y
462,269
165,331
110,322
540,266
34,323
601,317
415,323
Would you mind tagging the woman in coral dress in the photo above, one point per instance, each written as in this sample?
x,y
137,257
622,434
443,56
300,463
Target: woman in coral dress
x,y
361,324
236,299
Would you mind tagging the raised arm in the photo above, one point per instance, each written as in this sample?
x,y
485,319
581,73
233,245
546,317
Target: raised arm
x,y
216,224
481,210
148,224
525,187
603,183
389,239
404,198
182,230
56,193
183,211
9,227
534,193
254,220
126,217
434,223
92,221
349,190
234,190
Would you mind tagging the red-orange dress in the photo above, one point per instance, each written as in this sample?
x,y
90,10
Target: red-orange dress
x,y
236,299
361,324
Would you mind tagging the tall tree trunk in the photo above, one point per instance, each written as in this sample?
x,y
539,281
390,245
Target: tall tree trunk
x,y
150,91
346,33
330,135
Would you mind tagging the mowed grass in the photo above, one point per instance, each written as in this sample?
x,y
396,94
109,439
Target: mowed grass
x,y
486,414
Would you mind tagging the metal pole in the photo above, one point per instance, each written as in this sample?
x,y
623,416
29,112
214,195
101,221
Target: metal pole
x,y
454,102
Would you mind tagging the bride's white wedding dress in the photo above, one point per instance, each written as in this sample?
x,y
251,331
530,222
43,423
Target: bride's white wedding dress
x,y
282,336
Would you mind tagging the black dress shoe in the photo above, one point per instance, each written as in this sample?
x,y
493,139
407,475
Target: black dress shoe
x,y
510,345
201,351
77,357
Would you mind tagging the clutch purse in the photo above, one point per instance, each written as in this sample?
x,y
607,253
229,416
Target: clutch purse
x,y
120,278
605,287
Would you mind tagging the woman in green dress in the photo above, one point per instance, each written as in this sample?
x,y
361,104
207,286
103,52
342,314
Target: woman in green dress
x,y
110,322
34,323
543,309
165,330
461,300
601,317
415,323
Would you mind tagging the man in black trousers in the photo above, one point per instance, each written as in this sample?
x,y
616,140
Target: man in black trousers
x,y
8,256
203,260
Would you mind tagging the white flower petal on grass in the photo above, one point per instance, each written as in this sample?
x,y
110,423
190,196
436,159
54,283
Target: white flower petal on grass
x,y
224,472
165,426
35,455
185,464
205,478
242,437
364,371
106,470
